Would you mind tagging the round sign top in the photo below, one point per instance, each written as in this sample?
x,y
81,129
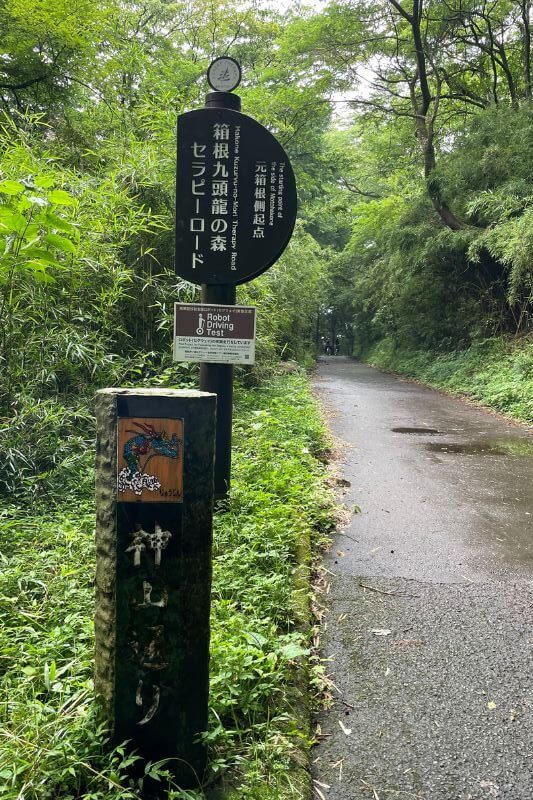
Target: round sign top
x,y
236,197
224,74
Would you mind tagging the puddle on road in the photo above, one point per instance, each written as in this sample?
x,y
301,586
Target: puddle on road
x,y
499,447
489,447
431,431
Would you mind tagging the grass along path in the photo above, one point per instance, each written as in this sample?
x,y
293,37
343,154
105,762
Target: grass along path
x,y
497,372
51,742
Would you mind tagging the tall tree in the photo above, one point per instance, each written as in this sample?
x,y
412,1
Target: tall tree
x,y
434,62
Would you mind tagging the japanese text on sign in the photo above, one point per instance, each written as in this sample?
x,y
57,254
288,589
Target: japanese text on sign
x,y
214,334
210,192
236,198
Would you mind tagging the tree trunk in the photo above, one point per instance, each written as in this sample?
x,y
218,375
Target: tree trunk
x,y
525,8
433,185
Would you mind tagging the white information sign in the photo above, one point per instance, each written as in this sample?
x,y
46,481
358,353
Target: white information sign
x,y
214,334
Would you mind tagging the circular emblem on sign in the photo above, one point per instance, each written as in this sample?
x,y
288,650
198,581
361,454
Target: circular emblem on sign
x,y
235,197
224,74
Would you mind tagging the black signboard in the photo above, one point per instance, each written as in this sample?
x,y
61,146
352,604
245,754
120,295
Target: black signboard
x,y
235,199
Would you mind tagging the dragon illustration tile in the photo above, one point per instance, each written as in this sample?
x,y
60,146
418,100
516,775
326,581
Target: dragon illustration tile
x,y
138,450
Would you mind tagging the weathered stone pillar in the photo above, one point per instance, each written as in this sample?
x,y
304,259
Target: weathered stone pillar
x,y
154,496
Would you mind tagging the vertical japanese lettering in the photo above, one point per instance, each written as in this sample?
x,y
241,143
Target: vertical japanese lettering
x,y
260,181
198,191
220,187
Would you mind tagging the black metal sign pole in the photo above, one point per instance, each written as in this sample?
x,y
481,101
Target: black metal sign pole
x,y
235,212
218,378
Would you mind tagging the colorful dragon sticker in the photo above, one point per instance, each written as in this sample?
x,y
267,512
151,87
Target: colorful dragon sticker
x,y
146,442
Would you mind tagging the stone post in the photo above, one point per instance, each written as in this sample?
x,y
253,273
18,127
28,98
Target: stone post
x,y
154,497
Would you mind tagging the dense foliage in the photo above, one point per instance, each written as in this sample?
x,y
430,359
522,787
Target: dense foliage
x,y
496,372
415,203
90,97
409,126
433,173
51,743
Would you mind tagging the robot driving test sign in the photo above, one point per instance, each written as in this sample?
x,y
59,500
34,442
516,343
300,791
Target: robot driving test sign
x,y
214,334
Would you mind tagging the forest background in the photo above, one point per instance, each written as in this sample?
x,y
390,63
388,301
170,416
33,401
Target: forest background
x,y
409,125
415,203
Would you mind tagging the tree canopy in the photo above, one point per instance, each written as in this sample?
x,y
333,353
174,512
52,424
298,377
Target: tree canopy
x,y
408,124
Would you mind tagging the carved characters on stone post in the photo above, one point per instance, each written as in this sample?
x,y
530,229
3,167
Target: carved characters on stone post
x,y
156,541
147,603
150,467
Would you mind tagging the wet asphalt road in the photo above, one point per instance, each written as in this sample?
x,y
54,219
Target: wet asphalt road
x,y
428,628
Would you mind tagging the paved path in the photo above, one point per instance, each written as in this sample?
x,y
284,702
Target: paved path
x,y
429,628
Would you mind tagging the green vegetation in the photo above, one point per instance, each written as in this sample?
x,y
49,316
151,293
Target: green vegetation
x,y
89,95
413,243
429,210
51,744
415,205
497,372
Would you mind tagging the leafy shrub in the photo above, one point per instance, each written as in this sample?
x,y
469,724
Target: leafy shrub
x,y
497,372
47,449
52,743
